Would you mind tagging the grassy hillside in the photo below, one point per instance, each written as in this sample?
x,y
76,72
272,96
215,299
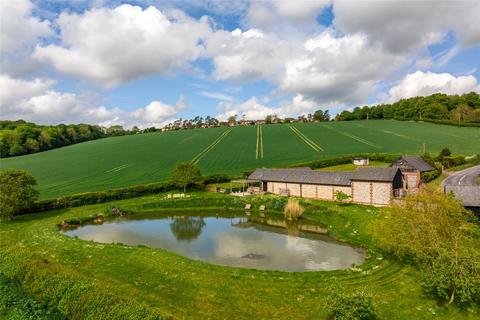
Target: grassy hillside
x,y
122,161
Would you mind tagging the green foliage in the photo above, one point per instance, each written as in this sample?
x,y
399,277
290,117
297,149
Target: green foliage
x,y
453,161
341,196
217,178
430,175
433,231
437,107
186,175
329,162
17,192
321,115
81,199
15,304
350,305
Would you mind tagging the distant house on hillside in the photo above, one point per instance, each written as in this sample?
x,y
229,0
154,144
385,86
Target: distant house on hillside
x,y
361,161
412,167
375,186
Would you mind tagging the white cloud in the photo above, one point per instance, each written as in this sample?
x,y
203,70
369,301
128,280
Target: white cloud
x,y
342,68
113,46
251,54
252,109
425,83
405,25
35,101
217,95
19,29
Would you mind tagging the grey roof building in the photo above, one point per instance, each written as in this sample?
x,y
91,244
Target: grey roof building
x,y
376,174
305,176
413,162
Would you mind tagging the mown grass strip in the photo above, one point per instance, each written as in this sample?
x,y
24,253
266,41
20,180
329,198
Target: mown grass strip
x,y
354,137
259,147
117,168
399,135
305,139
199,156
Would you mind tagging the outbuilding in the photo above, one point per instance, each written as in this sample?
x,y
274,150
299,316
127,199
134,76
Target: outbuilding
x,y
376,186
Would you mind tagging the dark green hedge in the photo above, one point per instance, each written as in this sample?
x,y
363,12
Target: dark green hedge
x,y
81,199
328,162
431,175
453,123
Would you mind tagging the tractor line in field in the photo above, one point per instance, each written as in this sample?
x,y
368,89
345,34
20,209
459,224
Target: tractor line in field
x,y
307,140
117,168
259,147
354,137
199,156
399,135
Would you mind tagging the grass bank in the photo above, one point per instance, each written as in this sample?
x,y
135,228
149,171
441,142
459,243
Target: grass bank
x,y
112,281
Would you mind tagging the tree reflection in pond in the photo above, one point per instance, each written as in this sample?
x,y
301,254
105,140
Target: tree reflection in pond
x,y
187,228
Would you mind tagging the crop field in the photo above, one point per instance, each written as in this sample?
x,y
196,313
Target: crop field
x,y
129,160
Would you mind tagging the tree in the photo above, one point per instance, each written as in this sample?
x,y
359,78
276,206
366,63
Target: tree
x,y
433,231
17,192
186,174
268,119
321,115
232,119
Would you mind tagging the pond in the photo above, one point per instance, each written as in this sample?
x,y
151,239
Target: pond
x,y
245,242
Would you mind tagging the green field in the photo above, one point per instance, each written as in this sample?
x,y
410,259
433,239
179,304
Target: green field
x,y
129,160
88,280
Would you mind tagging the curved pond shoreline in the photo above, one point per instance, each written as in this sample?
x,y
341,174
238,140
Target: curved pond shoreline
x,y
229,239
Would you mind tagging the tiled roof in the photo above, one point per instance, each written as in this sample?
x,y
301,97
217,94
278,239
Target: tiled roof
x,y
336,178
469,195
414,162
375,174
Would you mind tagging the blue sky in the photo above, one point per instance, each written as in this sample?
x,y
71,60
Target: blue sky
x,y
147,63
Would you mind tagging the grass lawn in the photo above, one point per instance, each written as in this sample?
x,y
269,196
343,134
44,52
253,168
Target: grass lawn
x,y
48,264
352,167
146,158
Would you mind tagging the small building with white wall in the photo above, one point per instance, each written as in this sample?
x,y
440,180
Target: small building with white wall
x,y
361,161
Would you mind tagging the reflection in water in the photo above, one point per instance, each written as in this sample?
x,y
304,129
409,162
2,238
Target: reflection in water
x,y
187,228
242,242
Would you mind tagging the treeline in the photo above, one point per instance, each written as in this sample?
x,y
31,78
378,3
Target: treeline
x,y
439,107
21,137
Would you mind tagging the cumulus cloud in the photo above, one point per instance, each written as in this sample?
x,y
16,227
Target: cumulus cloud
x,y
422,83
35,100
113,46
344,68
19,29
252,109
407,25
246,55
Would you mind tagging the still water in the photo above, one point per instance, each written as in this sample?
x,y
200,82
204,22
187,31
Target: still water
x,y
234,241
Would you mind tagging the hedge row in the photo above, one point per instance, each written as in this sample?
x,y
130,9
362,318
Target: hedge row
x,y
86,198
328,162
453,123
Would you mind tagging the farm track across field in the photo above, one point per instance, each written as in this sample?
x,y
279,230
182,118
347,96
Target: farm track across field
x,y
147,158
199,156
305,139
259,148
354,137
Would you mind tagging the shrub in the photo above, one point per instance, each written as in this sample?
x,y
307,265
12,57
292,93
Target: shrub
x,y
430,175
341,196
350,306
17,192
293,209
453,161
217,178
